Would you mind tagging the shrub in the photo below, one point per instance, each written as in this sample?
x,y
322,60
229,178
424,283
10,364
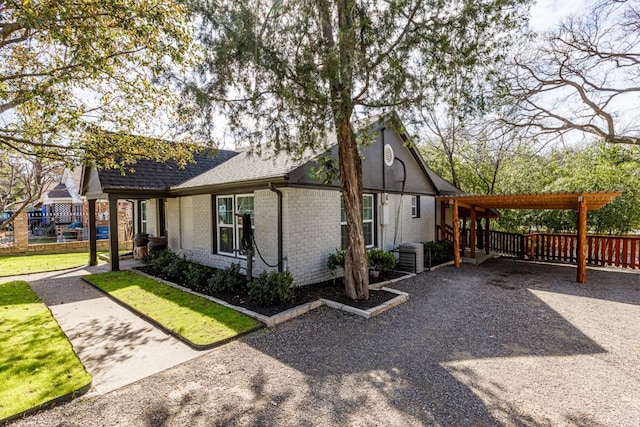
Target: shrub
x,y
176,269
336,259
271,288
228,279
158,261
197,276
380,259
441,251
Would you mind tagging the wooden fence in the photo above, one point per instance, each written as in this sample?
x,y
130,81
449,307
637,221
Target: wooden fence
x,y
619,251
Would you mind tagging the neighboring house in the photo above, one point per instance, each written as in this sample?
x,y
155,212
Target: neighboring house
x,y
63,206
297,219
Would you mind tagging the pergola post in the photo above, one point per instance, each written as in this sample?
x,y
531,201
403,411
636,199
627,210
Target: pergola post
x,y
443,221
93,236
456,234
487,235
582,240
472,232
113,233
464,233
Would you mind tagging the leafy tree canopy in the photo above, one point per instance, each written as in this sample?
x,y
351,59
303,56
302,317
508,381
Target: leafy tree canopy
x,y
597,167
71,66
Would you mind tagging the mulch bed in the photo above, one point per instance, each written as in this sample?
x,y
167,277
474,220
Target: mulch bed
x,y
332,290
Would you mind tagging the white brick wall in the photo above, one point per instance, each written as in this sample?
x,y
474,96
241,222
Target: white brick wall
x,y
173,223
311,223
311,230
409,229
152,217
266,229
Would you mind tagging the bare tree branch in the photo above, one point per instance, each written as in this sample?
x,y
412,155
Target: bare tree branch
x,y
583,77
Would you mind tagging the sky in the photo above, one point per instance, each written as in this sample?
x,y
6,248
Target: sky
x,y
547,13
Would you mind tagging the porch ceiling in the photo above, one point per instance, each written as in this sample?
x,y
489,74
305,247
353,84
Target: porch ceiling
x,y
594,200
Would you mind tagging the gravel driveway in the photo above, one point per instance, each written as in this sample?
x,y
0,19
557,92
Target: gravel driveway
x,y
504,343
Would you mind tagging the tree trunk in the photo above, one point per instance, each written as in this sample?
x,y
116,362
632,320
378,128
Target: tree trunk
x,y
356,277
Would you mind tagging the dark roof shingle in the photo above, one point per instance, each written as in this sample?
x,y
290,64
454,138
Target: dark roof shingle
x,y
59,192
156,176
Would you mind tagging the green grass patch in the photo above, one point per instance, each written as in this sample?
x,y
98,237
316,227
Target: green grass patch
x,y
37,362
198,320
27,264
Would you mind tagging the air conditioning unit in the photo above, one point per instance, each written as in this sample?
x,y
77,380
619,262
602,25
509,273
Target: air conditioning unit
x,y
411,257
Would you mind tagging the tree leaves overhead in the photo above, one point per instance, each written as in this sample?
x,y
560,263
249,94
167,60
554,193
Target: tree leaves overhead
x,y
71,65
269,67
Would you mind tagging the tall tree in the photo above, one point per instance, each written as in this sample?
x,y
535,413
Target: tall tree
x,y
22,182
475,154
70,66
582,76
286,72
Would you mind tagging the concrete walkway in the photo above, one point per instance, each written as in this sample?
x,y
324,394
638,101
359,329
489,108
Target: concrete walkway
x,y
116,346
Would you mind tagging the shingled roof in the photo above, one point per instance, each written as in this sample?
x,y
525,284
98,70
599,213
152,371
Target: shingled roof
x,y
59,192
249,166
155,176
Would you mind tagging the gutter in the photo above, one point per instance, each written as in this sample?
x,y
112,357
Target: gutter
x,y
279,193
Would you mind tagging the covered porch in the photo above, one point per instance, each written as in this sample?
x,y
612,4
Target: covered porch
x,y
481,207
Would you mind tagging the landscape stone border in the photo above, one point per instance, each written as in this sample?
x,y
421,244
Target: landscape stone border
x,y
271,321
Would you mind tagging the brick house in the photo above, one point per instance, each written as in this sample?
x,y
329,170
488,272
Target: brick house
x,y
296,217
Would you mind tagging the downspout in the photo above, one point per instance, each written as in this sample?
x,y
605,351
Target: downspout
x,y
384,188
279,193
404,181
384,170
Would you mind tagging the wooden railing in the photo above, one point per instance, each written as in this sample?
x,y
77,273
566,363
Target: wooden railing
x,y
507,243
619,251
499,241
448,232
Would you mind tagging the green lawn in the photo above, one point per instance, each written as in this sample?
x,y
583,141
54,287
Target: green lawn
x,y
37,362
198,320
27,264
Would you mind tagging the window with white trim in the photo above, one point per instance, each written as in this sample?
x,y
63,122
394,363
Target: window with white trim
x,y
143,216
368,227
229,226
415,206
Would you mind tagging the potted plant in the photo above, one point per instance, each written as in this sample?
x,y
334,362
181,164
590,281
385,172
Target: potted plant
x,y
157,243
141,239
379,261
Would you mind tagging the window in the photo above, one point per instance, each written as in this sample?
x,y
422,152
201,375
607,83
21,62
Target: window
x,y
229,225
367,222
143,217
415,206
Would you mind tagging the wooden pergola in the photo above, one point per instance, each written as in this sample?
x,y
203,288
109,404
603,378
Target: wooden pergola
x,y
580,201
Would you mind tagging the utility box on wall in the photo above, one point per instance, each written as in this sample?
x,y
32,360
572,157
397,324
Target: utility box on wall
x,y
384,214
411,257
